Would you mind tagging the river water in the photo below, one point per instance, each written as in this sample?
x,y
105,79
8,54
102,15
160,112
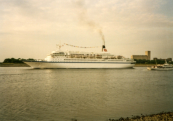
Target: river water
x,y
83,94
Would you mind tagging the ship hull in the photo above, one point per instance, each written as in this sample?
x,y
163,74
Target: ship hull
x,y
43,65
160,69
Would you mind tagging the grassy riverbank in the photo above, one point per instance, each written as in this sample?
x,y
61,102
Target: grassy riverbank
x,y
13,65
163,116
144,65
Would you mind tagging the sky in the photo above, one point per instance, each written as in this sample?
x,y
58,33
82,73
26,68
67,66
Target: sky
x,y
32,28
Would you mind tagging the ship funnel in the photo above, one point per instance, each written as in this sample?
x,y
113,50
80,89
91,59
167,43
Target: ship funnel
x,y
104,48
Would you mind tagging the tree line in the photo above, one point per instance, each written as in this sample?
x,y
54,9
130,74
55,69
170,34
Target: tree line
x,y
138,61
143,61
13,60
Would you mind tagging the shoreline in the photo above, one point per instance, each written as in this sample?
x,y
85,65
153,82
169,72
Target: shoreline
x,y
144,65
163,116
25,65
13,65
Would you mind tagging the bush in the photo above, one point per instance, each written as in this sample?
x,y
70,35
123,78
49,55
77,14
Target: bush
x,y
140,61
13,60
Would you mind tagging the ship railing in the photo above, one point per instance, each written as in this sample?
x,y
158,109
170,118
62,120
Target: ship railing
x,y
98,60
38,60
33,60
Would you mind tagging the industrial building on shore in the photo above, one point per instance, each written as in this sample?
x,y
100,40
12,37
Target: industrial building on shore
x,y
147,56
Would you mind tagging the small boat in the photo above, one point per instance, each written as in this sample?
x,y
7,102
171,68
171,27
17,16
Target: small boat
x,y
164,67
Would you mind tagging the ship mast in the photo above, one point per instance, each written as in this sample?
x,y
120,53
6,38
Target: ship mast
x,y
58,46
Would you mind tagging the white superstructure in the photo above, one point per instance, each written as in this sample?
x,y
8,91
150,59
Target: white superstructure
x,y
77,59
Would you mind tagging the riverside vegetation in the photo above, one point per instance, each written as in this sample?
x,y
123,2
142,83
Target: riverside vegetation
x,y
140,61
163,116
12,62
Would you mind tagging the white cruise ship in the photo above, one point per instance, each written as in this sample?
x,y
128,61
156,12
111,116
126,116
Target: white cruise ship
x,y
77,59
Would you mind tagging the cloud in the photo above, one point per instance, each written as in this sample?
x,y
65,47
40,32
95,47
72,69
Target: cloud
x,y
135,13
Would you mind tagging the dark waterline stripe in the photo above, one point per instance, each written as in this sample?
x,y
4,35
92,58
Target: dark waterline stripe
x,y
82,62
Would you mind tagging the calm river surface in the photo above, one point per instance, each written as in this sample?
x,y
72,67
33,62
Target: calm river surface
x,y
84,94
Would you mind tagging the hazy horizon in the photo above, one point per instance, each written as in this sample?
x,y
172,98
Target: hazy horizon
x,y
31,29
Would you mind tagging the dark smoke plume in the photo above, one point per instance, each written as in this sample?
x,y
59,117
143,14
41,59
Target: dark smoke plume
x,y
85,21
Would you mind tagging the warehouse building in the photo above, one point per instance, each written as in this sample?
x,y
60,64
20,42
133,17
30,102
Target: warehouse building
x,y
147,56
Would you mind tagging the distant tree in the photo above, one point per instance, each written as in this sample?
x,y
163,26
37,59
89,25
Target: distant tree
x,y
160,61
143,61
152,61
31,59
140,61
13,60
7,60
